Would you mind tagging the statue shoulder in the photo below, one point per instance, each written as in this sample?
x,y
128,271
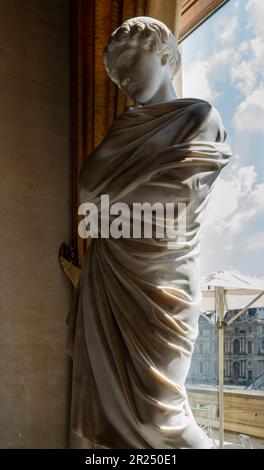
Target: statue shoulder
x,y
201,109
208,119
204,111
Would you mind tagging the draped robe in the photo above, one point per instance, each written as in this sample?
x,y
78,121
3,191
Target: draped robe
x,y
134,316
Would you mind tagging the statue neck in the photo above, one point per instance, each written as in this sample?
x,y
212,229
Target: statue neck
x,y
165,93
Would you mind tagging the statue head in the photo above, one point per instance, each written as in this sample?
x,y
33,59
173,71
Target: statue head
x,y
141,55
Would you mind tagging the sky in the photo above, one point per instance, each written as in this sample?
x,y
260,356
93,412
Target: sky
x,y
223,63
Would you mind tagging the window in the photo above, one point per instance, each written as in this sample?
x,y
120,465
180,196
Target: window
x,y
236,346
223,64
236,372
243,369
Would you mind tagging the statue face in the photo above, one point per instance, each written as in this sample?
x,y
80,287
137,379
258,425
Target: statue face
x,y
140,73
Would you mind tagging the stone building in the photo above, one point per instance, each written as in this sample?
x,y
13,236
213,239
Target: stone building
x,y
243,351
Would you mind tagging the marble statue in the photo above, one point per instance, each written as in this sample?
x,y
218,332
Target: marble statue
x,y
134,317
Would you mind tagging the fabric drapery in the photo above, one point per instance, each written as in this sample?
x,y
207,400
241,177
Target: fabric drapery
x,y
134,317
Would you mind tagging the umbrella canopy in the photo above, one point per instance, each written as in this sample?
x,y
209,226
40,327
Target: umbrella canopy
x,y
240,290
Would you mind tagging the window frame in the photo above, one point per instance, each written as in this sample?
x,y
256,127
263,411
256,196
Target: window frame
x,y
195,12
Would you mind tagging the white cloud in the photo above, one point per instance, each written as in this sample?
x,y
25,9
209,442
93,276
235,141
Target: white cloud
x,y
256,241
256,198
253,242
196,83
240,220
249,115
256,45
198,77
226,31
221,57
235,200
247,72
243,74
255,9
243,62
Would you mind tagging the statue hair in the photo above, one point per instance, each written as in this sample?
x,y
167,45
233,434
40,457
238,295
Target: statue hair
x,y
149,33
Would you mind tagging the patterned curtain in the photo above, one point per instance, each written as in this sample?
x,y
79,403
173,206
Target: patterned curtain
x,y
96,100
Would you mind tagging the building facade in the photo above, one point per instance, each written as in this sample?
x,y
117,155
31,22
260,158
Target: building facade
x,y
243,351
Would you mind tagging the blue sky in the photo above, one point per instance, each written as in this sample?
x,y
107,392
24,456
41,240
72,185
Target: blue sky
x,y
223,62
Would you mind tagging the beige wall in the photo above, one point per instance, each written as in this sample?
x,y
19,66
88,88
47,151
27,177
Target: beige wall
x,y
35,218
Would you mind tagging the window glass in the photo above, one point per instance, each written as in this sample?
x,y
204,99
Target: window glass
x,y
222,62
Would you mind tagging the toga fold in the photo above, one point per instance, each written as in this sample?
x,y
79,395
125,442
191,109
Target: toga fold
x,y
133,321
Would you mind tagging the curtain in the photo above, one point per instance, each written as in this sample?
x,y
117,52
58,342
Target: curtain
x,y
96,100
